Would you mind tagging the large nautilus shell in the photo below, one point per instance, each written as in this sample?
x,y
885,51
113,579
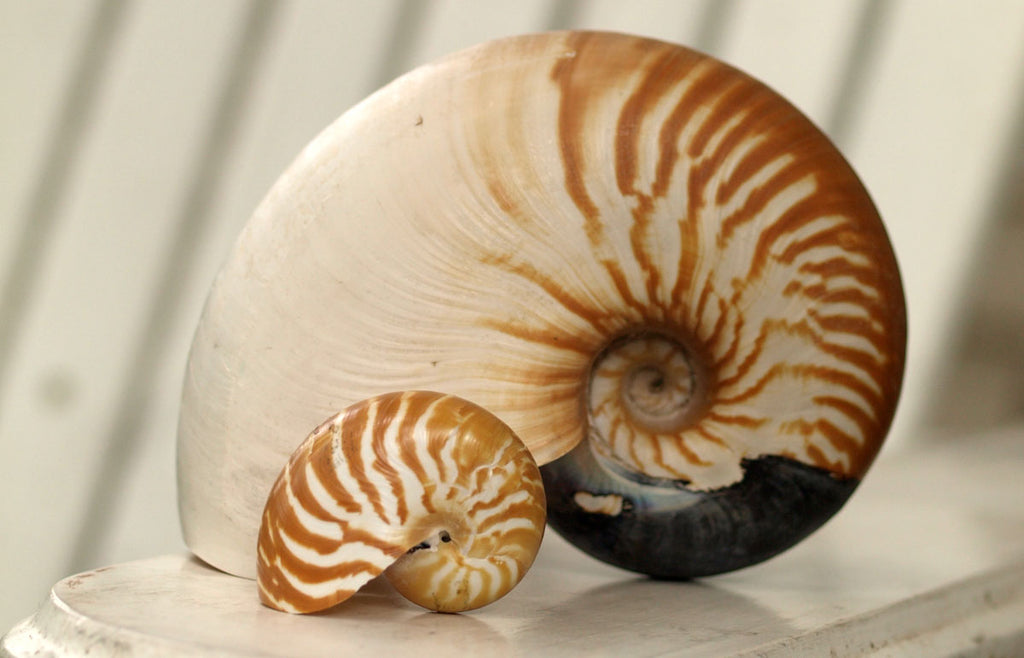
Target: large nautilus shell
x,y
658,273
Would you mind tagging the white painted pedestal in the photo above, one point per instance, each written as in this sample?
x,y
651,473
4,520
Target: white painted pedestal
x,y
926,559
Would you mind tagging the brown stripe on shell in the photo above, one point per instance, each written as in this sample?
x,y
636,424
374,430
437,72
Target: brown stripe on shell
x,y
571,130
357,422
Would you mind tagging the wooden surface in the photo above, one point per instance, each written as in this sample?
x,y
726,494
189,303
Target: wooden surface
x,y
927,559
136,136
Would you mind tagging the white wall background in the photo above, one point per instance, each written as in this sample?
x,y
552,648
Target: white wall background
x,y
136,136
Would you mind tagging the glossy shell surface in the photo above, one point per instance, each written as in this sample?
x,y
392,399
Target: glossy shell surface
x,y
626,250
430,489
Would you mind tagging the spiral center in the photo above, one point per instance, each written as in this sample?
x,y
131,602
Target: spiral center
x,y
643,390
655,391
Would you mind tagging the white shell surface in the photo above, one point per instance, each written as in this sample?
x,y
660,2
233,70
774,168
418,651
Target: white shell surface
x,y
486,225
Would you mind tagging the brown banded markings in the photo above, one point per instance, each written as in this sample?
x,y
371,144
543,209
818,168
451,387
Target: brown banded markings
x,y
636,187
775,160
402,469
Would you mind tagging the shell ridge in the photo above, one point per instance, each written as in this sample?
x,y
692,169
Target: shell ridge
x,y
381,441
745,204
306,514
570,120
355,455
324,472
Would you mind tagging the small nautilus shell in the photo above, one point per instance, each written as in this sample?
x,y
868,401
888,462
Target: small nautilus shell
x,y
431,490
654,269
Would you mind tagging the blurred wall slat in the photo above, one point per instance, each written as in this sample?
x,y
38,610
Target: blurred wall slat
x,y
937,110
66,377
138,135
40,53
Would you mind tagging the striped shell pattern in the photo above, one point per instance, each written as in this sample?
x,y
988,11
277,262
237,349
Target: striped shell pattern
x,y
654,269
429,489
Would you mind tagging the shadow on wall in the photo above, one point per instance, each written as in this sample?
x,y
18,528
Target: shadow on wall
x,y
981,386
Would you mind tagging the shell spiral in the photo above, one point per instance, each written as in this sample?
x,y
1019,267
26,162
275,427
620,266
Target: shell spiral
x,y
658,272
430,489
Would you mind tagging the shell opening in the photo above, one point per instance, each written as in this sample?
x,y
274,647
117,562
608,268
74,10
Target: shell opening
x,y
442,537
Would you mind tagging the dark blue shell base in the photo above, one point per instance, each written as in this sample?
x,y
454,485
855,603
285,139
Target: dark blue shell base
x,y
667,531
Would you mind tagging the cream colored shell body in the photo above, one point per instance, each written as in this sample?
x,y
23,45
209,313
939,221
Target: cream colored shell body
x,y
493,224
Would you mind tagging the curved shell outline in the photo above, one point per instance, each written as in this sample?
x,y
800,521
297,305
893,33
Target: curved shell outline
x,y
492,224
429,489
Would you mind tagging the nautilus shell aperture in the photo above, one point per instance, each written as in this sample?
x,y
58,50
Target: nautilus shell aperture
x,y
429,489
655,270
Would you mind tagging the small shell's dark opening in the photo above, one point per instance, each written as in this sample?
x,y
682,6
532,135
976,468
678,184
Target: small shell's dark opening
x,y
442,537
649,380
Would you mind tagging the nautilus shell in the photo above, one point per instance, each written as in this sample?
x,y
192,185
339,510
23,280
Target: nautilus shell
x,y
655,270
431,488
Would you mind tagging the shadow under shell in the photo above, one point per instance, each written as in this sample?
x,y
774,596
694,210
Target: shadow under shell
x,y
662,529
